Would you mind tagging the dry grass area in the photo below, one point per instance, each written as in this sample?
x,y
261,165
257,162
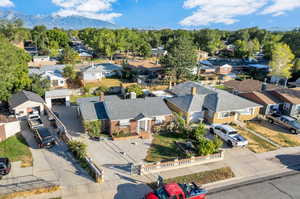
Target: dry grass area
x,y
256,144
275,133
201,178
32,192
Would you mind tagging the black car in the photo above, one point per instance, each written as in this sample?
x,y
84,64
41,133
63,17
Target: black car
x,y
44,138
5,166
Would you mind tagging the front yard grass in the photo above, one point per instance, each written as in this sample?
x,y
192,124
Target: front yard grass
x,y
200,178
256,144
108,82
16,149
275,133
164,148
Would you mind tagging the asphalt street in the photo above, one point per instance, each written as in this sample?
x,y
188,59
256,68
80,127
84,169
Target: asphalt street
x,y
284,186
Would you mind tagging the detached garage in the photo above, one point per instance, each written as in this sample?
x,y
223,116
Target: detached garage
x,y
58,97
25,102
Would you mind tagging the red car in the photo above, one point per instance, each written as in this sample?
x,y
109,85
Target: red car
x,y
178,191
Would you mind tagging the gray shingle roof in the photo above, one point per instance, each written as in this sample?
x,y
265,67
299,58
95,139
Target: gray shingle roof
x,y
93,111
22,97
132,108
188,103
213,99
185,89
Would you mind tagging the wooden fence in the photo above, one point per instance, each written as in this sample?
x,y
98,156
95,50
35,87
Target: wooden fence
x,y
179,163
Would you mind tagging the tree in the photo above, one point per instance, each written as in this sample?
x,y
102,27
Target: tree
x,y
198,132
69,72
144,49
69,56
281,60
14,69
78,148
206,146
136,89
39,84
180,60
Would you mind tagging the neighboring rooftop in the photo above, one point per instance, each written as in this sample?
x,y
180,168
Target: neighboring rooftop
x,y
291,95
22,97
102,68
248,85
185,89
58,93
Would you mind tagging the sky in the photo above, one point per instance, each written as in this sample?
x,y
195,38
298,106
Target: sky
x,y
187,14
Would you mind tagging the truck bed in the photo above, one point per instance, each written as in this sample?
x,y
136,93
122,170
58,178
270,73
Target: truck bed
x,y
35,123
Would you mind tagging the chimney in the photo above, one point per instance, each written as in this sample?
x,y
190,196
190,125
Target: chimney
x,y
170,85
193,91
264,86
132,95
101,97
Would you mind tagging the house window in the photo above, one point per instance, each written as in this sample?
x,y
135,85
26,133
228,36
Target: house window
x,y
286,106
124,122
224,114
159,119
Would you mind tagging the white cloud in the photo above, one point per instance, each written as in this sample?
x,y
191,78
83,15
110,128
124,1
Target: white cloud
x,y
227,11
279,7
6,3
94,9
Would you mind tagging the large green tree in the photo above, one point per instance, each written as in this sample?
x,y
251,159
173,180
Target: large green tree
x,y
39,84
14,69
180,60
282,60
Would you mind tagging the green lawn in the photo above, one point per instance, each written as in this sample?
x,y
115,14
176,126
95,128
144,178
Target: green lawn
x,y
74,98
164,148
16,149
201,178
221,87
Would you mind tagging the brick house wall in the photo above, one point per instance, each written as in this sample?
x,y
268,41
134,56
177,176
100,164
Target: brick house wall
x,y
114,125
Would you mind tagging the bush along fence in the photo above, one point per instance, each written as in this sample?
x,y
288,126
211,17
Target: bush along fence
x,y
179,163
84,161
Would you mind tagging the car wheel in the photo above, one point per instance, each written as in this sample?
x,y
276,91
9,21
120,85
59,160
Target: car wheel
x,y
293,131
211,130
271,121
230,143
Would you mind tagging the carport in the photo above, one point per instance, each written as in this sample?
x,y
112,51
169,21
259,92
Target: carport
x,y
59,96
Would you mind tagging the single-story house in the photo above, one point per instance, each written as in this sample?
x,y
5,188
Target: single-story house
x,y
9,126
196,102
52,73
41,58
97,72
224,69
85,55
56,78
248,85
130,116
269,102
25,102
160,51
290,99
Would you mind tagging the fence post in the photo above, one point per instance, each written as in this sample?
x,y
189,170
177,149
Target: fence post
x,y
193,159
157,165
176,162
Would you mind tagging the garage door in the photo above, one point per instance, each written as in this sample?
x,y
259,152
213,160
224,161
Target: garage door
x,y
197,116
59,101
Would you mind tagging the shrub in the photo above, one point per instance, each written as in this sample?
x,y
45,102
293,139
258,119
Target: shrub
x,y
93,128
136,89
101,89
86,89
198,132
78,148
206,146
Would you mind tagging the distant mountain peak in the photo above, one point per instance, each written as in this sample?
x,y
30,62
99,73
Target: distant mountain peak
x,y
71,22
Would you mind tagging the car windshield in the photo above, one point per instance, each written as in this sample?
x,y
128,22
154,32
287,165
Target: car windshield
x,y
296,124
232,133
161,193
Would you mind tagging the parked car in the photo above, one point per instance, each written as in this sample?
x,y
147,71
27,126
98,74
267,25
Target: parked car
x,y
177,191
44,138
285,121
229,135
5,166
34,121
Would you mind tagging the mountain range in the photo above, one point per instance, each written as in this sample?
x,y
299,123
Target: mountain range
x,y
71,22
